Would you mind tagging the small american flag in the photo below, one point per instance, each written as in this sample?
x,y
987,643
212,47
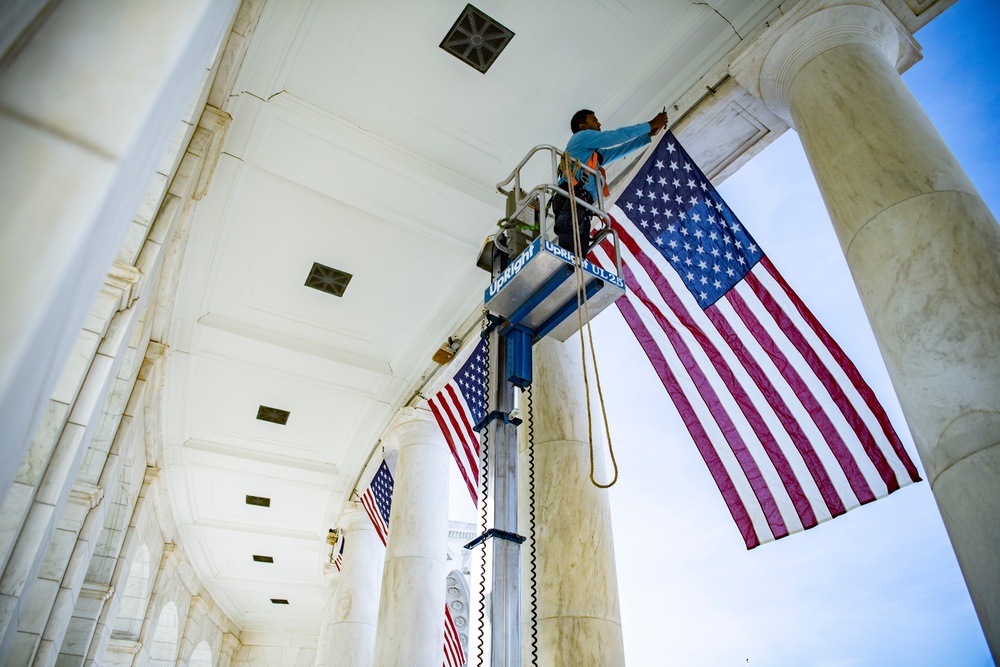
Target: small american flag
x,y
454,656
377,500
458,407
790,431
338,560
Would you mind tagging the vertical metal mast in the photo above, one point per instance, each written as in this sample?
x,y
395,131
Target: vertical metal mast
x,y
506,600
505,608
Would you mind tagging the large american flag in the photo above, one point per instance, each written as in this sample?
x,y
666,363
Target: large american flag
x,y
458,407
377,501
790,431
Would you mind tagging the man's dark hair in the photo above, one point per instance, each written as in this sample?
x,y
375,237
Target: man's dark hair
x,y
578,118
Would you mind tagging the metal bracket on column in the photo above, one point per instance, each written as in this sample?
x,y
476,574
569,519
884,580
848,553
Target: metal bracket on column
x,y
496,414
499,534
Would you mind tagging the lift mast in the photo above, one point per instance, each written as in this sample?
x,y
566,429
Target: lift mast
x,y
531,296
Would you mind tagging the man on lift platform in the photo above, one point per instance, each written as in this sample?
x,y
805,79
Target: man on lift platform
x,y
595,148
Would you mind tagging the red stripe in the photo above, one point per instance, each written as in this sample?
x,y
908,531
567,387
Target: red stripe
x,y
819,417
470,440
701,440
843,403
774,452
852,373
454,656
369,504
443,424
743,456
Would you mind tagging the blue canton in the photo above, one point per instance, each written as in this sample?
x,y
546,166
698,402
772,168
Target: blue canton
x,y
381,486
471,381
676,208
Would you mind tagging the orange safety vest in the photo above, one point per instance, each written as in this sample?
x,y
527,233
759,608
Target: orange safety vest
x,y
595,163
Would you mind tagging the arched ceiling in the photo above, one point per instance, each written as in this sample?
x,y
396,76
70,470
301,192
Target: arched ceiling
x,y
357,143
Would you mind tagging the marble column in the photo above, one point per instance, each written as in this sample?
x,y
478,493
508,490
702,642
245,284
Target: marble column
x,y
411,610
921,244
89,102
579,618
354,608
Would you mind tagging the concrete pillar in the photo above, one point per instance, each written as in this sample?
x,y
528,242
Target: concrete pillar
x,y
354,609
579,618
411,609
921,244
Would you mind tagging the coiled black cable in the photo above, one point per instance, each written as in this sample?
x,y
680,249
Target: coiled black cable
x,y
532,583
484,466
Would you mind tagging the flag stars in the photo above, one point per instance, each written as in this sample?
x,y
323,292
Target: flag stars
x,y
671,148
659,164
662,181
673,165
649,179
629,206
687,167
691,183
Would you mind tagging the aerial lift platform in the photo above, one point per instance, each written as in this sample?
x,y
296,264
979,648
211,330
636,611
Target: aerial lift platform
x,y
537,289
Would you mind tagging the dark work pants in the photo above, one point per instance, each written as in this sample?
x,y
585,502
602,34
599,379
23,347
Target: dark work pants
x,y
564,220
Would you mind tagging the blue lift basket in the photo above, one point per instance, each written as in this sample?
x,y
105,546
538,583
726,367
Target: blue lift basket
x,y
534,290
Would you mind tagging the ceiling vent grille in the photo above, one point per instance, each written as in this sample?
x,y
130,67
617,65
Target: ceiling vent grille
x,y
263,559
327,279
278,601
273,415
259,501
476,39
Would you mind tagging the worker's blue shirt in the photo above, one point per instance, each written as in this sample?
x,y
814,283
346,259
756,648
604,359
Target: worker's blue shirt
x,y
610,145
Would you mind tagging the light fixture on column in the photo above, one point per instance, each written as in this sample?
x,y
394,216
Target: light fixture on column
x,y
447,351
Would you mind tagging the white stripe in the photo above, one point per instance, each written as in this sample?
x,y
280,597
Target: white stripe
x,y
819,392
465,460
868,469
797,412
716,438
750,439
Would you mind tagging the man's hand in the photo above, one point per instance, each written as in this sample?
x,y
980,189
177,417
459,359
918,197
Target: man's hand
x,y
658,123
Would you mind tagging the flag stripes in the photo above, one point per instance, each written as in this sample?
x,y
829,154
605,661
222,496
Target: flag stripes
x,y
454,656
452,415
790,432
457,408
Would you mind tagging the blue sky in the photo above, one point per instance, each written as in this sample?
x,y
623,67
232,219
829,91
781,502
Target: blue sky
x,y
879,586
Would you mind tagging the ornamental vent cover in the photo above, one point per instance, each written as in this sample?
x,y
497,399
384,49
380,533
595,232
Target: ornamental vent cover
x,y
476,39
327,279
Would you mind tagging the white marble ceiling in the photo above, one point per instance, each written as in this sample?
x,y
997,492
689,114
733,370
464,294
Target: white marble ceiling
x,y
358,143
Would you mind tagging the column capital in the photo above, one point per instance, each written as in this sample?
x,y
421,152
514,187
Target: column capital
x,y
354,518
413,426
769,65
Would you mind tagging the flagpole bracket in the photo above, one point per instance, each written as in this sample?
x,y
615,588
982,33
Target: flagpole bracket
x,y
497,533
497,414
